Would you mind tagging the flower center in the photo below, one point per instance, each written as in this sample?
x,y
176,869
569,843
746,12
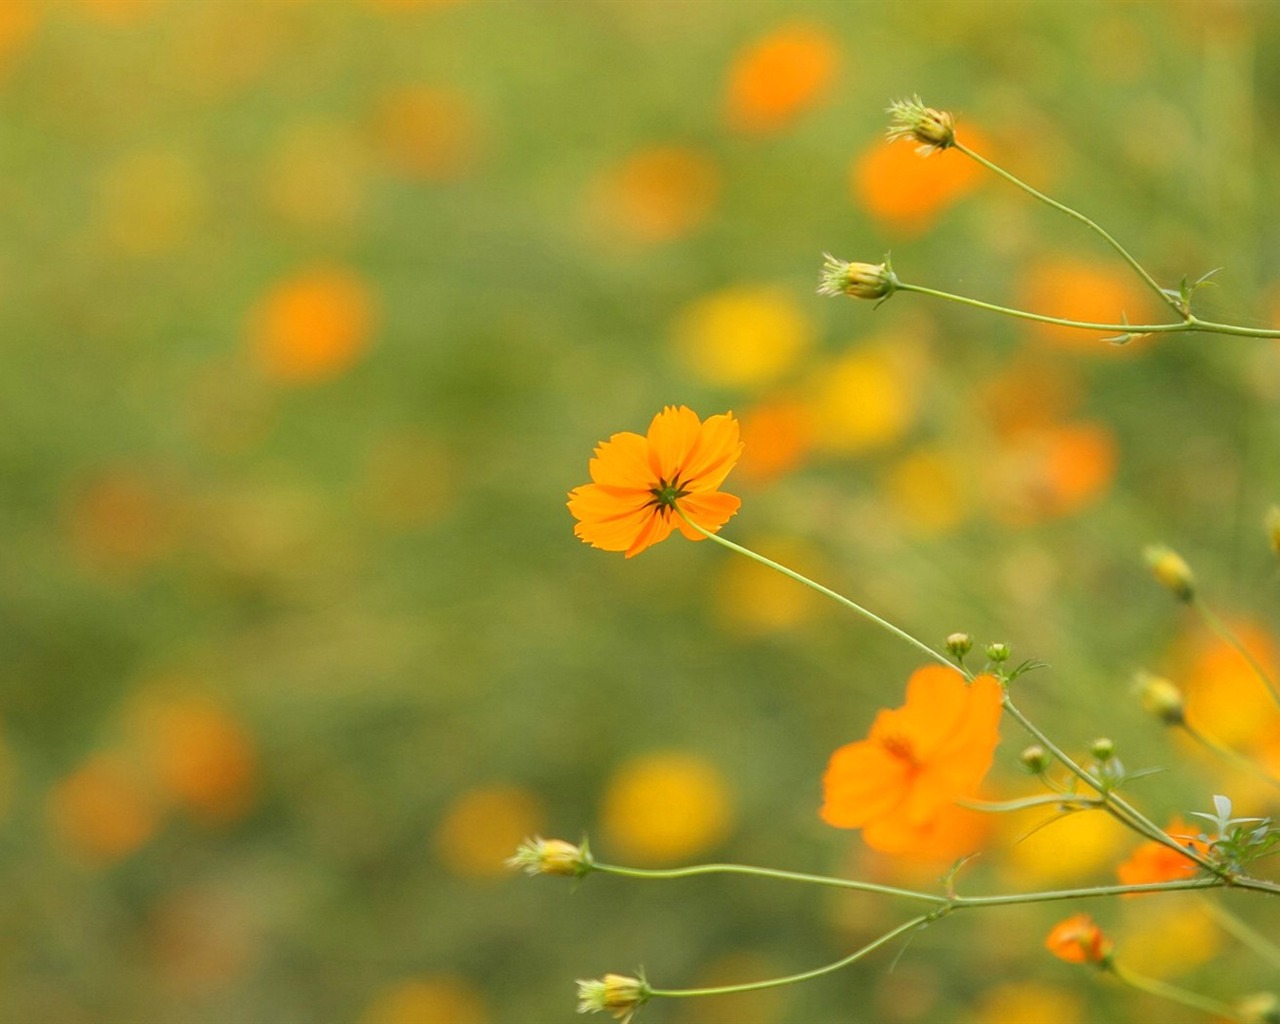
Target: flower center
x,y
665,494
899,747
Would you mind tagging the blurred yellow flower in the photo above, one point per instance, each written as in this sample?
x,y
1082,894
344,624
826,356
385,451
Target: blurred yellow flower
x,y
1164,940
478,831
753,599
1082,845
779,77
664,807
315,175
442,999
1029,1002
314,325
657,194
151,201
864,400
742,336
929,490
103,811
18,22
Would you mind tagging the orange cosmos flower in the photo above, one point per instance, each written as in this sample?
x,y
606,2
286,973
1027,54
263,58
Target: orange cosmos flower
x,y
916,762
1155,862
638,482
1078,940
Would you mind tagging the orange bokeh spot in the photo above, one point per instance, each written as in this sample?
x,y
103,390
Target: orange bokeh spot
x,y
18,22
906,190
202,757
776,437
313,326
121,521
442,999
483,827
119,12
102,812
1091,292
657,194
1052,472
779,77
428,133
1225,698
1031,393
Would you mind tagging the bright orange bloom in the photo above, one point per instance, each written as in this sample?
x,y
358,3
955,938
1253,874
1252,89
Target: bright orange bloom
x,y
638,482
916,762
1078,940
1155,862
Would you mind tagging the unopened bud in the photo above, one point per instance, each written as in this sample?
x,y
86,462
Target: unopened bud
x,y
1078,940
959,644
617,994
1273,527
1102,749
1161,698
911,119
857,280
1034,759
1171,571
538,856
998,653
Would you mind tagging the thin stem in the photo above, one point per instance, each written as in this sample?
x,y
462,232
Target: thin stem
x,y
1242,931
1171,992
1058,800
1091,225
1226,634
826,592
791,979
1227,754
1191,325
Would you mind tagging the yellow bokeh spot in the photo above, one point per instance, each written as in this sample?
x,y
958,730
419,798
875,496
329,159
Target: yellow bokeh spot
x,y
864,400
102,811
483,827
929,490
742,336
151,201
756,1007
19,20
751,598
315,176
1167,939
666,806
1028,1002
1082,845
438,1000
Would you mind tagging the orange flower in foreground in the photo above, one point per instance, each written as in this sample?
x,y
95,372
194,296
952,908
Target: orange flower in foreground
x,y
1155,862
916,762
637,482
1078,940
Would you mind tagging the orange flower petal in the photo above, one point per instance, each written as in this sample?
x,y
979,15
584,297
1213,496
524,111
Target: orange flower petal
x,y
863,782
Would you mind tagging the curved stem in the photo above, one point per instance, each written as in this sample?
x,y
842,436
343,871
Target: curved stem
x,y
1164,990
884,624
1076,214
1242,931
1227,754
1056,799
791,979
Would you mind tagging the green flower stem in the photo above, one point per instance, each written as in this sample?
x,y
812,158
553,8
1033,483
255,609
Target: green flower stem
x,y
1077,215
1056,799
791,979
952,902
1192,324
1225,633
1171,992
1242,931
1232,757
1118,807
826,592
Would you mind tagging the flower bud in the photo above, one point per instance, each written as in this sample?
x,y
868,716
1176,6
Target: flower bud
x,y
1273,527
959,644
1171,571
538,856
1034,759
1161,698
618,994
1078,940
1102,749
998,653
911,119
857,280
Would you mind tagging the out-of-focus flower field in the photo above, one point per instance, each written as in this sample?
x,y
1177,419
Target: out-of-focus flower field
x,y
312,314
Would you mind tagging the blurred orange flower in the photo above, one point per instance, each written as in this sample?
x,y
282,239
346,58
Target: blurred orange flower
x,y
906,190
1155,862
657,194
1074,289
779,77
1078,940
428,133
638,481
102,811
916,762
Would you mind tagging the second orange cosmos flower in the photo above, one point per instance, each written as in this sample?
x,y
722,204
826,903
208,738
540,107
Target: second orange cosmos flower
x,y
640,486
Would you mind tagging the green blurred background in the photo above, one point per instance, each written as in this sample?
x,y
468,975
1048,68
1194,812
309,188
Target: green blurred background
x,y
313,312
